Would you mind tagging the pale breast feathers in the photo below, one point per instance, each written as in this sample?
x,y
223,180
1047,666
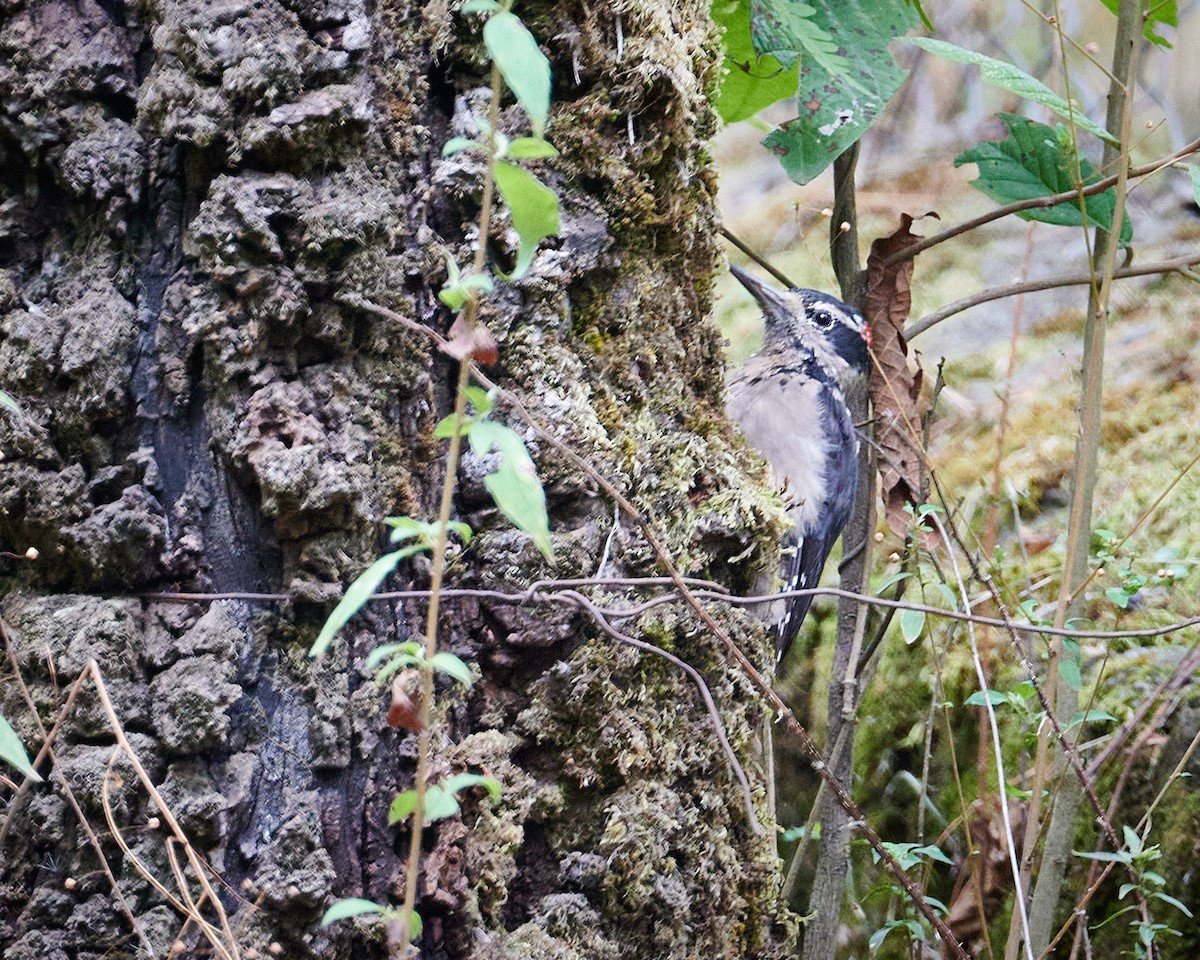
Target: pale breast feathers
x,y
779,416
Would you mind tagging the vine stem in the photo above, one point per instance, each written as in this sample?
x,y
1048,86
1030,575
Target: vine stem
x,y
424,737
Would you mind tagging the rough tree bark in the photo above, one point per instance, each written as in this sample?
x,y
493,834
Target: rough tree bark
x,y
189,191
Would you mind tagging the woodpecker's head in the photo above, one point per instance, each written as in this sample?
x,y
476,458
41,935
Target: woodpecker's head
x,y
812,322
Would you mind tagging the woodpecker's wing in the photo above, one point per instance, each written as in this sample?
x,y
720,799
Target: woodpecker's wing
x,y
812,545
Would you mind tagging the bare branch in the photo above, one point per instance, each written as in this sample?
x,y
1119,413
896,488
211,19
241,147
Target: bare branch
x,y
1176,265
757,258
1040,203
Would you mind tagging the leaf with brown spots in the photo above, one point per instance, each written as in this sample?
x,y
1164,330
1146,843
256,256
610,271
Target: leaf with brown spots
x,y
475,342
895,389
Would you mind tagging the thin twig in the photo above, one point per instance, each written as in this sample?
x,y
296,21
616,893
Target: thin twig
x,y
997,748
1046,283
1070,751
1039,203
583,602
164,811
757,258
1179,676
47,753
715,593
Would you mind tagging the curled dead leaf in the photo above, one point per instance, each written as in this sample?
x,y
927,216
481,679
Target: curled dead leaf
x,y
475,342
405,710
984,879
895,388
1037,541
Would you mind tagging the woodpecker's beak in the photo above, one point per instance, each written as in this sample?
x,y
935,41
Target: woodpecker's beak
x,y
770,299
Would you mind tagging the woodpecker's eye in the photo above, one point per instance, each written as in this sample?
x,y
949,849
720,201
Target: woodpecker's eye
x,y
822,318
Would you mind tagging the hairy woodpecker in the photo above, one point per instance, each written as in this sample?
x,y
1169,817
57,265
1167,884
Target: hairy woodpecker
x,y
790,399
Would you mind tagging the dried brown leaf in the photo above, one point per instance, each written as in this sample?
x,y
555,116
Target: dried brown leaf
x,y
1037,541
895,388
405,710
475,342
984,879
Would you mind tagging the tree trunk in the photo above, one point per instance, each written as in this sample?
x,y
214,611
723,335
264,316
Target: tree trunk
x,y
192,195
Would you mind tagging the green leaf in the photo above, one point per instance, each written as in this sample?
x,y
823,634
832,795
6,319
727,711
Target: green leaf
x,y
441,800
12,751
1106,857
1039,161
1155,12
357,594
463,781
11,405
403,804
1119,596
877,938
947,594
440,803
1132,840
479,6
452,666
1167,898
534,209
351,907
458,144
791,31
749,82
409,648
932,852
522,64
455,294
1068,670
514,485
1014,80
480,399
981,697
792,834
530,148
397,663
937,905
841,93
912,624
905,854
1092,716
445,427
410,528
894,578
